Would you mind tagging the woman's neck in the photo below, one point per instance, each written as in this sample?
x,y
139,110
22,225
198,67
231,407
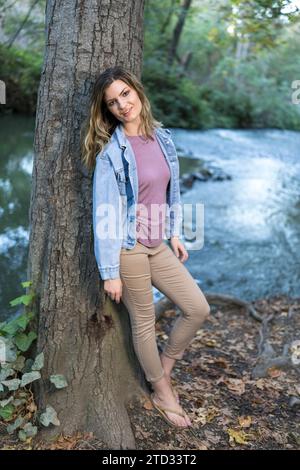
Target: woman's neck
x,y
132,130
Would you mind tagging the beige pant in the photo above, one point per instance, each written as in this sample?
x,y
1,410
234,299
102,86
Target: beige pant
x,y
141,267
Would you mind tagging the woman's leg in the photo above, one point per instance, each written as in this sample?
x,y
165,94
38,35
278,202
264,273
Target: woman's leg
x,y
173,279
137,296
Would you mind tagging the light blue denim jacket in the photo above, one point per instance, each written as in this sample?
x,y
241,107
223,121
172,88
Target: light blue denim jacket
x,y
115,198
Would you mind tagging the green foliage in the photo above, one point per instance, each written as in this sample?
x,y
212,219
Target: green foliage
x,y
174,101
20,71
244,57
18,370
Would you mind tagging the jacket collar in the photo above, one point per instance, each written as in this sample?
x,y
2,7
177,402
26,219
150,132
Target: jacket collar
x,y
120,135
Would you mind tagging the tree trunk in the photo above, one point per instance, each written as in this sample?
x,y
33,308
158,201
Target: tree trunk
x,y
83,336
178,30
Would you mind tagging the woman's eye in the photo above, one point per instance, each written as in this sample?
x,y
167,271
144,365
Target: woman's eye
x,y
124,94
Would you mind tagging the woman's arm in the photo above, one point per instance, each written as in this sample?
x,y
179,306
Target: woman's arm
x,y
106,226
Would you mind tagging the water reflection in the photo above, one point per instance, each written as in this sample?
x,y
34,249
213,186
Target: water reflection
x,y
252,230
16,138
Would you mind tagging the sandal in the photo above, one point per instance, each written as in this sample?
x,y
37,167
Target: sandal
x,y
162,412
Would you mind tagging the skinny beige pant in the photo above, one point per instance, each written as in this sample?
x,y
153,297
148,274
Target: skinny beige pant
x,y
142,267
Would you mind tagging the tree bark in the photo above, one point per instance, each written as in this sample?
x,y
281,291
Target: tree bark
x,y
84,336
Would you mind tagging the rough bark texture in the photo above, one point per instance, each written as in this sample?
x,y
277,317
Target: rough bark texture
x,y
83,337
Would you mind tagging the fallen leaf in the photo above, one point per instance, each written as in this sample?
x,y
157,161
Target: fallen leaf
x,y
221,362
240,437
200,416
273,372
169,313
245,421
260,383
148,405
297,388
211,343
236,386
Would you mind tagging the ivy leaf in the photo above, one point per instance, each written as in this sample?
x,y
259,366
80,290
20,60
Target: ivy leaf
x,y
49,416
39,362
7,412
10,328
30,377
12,384
28,365
5,402
19,363
26,283
23,320
24,341
58,380
27,431
16,424
8,350
23,299
4,373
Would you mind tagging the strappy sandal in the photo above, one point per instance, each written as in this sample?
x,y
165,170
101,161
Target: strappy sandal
x,y
162,411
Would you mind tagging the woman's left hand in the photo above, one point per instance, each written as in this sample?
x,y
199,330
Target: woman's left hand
x,y
179,249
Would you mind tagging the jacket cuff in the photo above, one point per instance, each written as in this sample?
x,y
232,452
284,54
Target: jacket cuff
x,y
109,273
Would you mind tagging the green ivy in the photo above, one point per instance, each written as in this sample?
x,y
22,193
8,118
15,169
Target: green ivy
x,y
18,370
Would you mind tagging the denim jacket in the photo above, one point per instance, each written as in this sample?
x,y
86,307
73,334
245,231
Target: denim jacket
x,y
115,198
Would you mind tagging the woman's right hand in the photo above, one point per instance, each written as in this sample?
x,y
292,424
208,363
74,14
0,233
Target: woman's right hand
x,y
113,288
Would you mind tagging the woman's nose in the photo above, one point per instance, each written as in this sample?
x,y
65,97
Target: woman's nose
x,y
122,104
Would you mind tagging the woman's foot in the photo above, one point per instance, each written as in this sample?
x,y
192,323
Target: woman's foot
x,y
167,365
173,388
163,397
169,402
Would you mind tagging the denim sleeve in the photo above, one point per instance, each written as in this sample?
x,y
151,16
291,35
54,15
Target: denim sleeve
x,y
106,227
176,216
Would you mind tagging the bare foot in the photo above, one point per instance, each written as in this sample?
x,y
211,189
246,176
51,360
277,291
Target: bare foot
x,y
172,404
168,375
173,388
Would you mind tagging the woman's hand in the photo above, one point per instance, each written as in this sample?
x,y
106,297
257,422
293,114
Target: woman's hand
x,y
113,288
179,249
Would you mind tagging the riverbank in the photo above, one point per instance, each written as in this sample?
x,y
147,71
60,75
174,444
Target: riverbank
x,y
228,406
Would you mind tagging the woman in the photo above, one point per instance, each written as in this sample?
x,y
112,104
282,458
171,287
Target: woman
x,y
136,199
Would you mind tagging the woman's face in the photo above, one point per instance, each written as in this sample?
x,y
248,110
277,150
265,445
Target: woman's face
x,y
123,102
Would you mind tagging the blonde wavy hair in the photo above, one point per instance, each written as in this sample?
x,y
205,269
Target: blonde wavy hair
x,y
101,123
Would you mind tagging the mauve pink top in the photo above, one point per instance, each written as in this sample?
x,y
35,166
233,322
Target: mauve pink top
x,y
153,177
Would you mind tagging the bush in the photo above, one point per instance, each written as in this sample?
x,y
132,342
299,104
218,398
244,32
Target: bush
x,y
20,71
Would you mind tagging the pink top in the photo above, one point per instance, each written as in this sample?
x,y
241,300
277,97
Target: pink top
x,y
153,177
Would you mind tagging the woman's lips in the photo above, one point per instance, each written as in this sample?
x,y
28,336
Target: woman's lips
x,y
127,114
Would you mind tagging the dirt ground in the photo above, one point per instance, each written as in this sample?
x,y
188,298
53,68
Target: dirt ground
x,y
229,408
